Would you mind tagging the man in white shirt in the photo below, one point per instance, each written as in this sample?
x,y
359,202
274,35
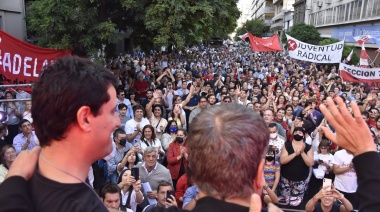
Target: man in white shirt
x,y
27,139
133,127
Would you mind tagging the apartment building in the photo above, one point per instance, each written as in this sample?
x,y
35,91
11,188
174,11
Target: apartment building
x,y
345,19
263,9
283,16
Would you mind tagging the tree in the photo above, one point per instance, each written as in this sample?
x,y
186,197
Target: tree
x,y
256,27
346,50
303,32
85,25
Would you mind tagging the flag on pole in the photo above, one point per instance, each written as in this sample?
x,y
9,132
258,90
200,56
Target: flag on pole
x,y
363,39
363,57
243,37
349,57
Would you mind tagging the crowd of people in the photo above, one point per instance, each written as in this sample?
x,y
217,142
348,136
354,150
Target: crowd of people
x,y
184,125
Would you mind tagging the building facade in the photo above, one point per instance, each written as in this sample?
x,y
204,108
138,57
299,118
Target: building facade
x,y
12,18
345,19
263,9
283,16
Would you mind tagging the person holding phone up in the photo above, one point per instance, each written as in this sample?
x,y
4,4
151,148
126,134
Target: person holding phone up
x,y
130,190
326,200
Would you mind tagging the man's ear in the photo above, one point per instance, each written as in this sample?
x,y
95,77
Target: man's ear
x,y
258,181
84,117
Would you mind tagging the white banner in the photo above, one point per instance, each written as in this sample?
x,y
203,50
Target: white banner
x,y
331,53
360,73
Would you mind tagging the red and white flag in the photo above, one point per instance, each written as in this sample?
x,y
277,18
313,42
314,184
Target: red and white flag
x,y
243,37
363,57
363,39
349,57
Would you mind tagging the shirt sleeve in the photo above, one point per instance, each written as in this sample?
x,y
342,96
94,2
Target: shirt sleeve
x,y
128,129
17,143
189,195
111,165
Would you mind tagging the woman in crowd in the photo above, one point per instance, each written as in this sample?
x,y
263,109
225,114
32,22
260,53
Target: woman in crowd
x,y
14,117
7,155
156,120
148,138
129,161
177,156
296,159
271,169
131,96
130,187
169,135
27,114
280,103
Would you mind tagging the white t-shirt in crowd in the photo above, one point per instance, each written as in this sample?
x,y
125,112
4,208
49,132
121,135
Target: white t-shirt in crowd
x,y
130,127
346,182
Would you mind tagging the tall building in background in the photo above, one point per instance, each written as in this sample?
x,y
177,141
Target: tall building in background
x,y
263,9
345,19
12,18
283,16
246,12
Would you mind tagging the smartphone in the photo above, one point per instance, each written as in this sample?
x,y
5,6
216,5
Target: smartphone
x,y
135,173
168,193
327,182
320,161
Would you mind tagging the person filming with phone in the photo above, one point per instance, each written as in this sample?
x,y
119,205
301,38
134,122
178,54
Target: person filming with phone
x,y
328,197
165,197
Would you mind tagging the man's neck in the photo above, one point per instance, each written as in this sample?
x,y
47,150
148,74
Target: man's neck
x,y
150,168
56,161
27,134
238,201
122,117
138,119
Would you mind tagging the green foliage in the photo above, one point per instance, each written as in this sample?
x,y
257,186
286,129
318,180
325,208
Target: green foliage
x,y
346,50
69,24
303,32
84,26
256,27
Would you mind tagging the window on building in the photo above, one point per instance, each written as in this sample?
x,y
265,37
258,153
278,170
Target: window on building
x,y
356,9
329,15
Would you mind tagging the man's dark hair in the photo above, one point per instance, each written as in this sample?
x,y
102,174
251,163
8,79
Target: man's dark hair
x,y
121,106
271,125
22,122
202,97
138,107
236,150
118,91
117,132
64,87
109,188
163,183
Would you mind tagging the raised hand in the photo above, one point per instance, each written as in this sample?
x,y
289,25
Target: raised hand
x,y
352,133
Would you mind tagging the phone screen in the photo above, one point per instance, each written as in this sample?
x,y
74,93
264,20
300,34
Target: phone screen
x,y
168,193
327,183
135,173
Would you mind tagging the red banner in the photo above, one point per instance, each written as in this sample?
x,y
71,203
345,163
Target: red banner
x,y
264,44
21,62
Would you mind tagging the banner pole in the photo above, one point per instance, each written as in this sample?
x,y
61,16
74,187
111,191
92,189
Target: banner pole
x,y
376,57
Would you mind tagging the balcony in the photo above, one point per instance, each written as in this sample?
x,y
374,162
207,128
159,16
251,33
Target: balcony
x,y
277,26
277,2
278,16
